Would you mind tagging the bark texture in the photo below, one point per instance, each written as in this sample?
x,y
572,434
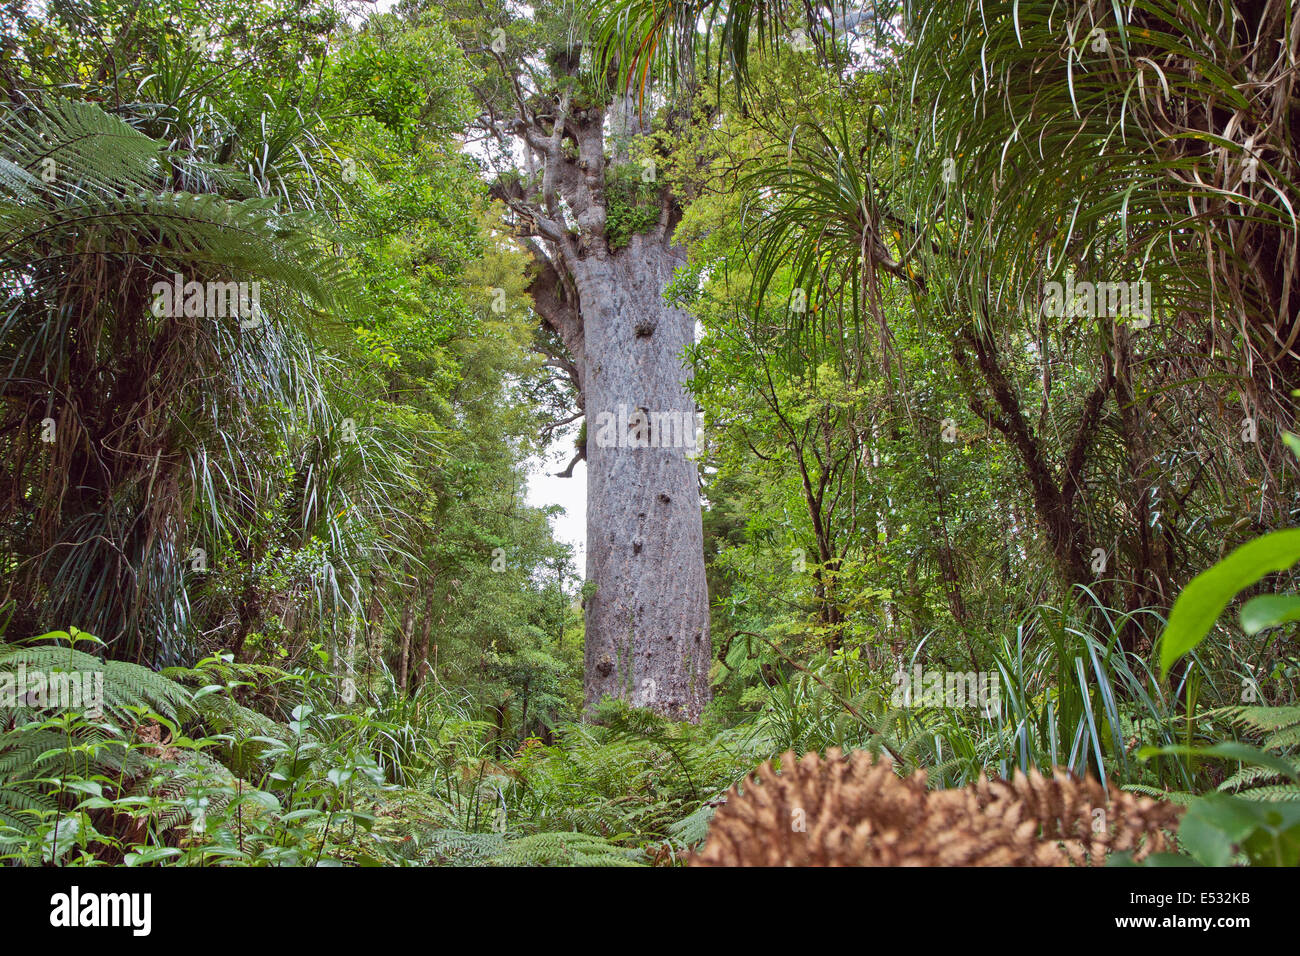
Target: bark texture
x,y
647,623
647,619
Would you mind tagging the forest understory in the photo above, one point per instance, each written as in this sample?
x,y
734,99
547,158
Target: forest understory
x,y
931,369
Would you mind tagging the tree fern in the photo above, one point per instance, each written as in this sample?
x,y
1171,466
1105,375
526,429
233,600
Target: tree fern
x,y
39,753
75,147
89,204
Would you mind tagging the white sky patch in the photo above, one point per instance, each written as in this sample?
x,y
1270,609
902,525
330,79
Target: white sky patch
x,y
544,488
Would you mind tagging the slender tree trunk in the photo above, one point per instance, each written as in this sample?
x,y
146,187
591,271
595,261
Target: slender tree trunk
x,y
426,638
375,623
523,710
404,663
349,691
1148,580
946,559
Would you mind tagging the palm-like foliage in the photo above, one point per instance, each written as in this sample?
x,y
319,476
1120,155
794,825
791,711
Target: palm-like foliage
x,y
664,39
100,518
1041,142
1040,138
1054,138
822,221
1017,144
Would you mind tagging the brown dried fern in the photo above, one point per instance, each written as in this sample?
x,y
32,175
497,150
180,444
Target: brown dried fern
x,y
856,812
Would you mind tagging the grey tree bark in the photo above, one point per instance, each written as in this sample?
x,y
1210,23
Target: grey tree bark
x,y
647,622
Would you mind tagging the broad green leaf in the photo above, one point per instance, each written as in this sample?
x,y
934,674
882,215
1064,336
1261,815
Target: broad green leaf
x,y
338,776
150,855
84,786
1276,841
1207,594
1213,827
1269,610
58,840
262,798
307,813
1217,825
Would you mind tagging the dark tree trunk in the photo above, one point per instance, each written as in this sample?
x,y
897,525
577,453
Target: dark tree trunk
x,y
1055,492
426,639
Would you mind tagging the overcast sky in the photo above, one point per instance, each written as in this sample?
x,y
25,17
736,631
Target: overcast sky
x,y
570,493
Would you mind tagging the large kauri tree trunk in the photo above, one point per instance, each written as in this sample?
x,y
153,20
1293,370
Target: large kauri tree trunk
x,y
647,620
647,624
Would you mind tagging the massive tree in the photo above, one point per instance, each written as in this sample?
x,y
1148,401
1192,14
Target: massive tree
x,y
591,209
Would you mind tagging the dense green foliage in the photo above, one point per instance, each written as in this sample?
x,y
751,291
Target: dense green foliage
x,y
328,626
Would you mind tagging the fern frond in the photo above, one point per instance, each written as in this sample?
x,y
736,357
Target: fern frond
x,y
1278,792
20,805
70,145
1180,797
125,685
1247,776
564,849
693,828
1266,719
